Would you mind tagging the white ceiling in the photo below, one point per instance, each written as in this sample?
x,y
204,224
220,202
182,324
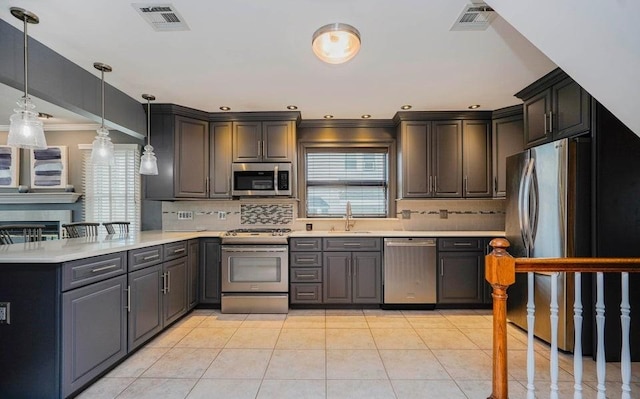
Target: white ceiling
x,y
255,55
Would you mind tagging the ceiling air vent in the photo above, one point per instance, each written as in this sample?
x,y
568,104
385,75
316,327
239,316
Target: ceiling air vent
x,y
477,16
161,17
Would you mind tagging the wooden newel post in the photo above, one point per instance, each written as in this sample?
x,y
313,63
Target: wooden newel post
x,y
500,272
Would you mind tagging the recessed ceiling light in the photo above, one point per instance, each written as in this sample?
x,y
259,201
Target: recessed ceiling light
x,y
406,106
366,116
225,108
474,106
328,117
292,107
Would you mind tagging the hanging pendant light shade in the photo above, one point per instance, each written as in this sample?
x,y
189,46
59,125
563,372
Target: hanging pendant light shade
x,y
148,161
25,129
102,147
336,43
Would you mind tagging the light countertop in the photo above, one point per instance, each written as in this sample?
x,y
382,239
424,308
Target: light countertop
x,y
57,251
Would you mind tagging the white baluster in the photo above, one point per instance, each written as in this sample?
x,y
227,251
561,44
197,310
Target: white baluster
x,y
625,356
531,319
577,346
553,369
600,356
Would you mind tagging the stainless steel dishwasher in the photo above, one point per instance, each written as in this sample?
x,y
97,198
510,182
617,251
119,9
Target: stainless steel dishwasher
x,y
410,271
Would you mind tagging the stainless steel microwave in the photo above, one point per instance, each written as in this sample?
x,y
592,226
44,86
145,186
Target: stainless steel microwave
x,y
261,179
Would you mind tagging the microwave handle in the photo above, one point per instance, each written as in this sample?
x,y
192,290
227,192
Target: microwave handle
x,y
275,179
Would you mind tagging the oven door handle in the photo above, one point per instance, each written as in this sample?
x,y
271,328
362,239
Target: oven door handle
x,y
255,249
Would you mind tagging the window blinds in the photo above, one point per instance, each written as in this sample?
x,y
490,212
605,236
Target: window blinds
x,y
112,194
333,178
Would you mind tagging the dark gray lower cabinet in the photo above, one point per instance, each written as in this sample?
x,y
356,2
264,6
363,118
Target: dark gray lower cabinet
x,y
145,305
193,272
461,277
174,301
210,271
94,325
352,277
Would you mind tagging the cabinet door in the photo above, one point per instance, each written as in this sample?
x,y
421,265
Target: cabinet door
x,y
461,277
175,290
476,158
447,158
145,314
278,141
367,277
570,109
210,271
94,331
415,146
508,139
336,277
220,159
193,272
191,157
247,141
536,122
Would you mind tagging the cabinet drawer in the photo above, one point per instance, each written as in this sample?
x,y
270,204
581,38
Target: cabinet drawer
x,y
175,250
351,244
306,259
306,293
306,275
460,244
305,244
143,257
90,270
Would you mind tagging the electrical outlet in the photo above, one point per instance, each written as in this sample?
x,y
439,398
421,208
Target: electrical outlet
x,y
185,215
5,313
444,214
222,215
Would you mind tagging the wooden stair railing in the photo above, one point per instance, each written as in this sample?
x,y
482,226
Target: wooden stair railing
x,y
500,272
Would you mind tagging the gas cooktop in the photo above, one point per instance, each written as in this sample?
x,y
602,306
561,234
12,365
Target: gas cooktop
x,y
256,236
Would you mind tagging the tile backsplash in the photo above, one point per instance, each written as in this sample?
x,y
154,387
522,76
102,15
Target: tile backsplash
x,y
432,214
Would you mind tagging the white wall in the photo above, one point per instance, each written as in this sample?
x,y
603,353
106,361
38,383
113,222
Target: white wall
x,y
596,42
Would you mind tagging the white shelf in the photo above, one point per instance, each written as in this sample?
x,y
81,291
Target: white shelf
x,y
39,198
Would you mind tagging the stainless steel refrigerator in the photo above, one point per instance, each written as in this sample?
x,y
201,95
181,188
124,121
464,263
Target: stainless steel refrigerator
x,y
548,215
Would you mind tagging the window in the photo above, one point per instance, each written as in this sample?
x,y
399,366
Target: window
x,y
337,175
112,194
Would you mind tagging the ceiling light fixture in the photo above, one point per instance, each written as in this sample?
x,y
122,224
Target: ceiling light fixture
x,y
328,117
43,115
474,106
292,107
148,160
366,116
336,43
406,107
225,108
25,129
102,147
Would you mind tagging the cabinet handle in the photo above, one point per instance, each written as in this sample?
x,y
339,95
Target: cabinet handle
x,y
550,121
103,268
264,148
128,298
495,184
168,282
164,283
151,257
305,260
259,148
306,294
441,267
546,130
305,244
461,244
435,184
305,275
207,186
430,184
348,267
177,251
466,185
351,244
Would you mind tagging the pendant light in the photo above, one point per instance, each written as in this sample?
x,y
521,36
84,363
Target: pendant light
x,y
148,161
102,147
336,43
25,129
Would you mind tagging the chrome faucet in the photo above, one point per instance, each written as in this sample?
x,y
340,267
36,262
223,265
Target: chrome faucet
x,y
348,216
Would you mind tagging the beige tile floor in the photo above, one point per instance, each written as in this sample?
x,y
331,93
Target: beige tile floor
x,y
336,354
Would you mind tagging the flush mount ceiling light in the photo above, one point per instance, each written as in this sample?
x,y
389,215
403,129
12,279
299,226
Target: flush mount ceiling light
x,y
25,129
366,116
225,108
292,107
328,117
406,107
148,160
474,106
102,147
336,43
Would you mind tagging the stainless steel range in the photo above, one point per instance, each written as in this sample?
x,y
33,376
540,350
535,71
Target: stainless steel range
x,y
255,271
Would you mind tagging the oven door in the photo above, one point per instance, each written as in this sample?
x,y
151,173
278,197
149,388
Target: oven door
x,y
255,268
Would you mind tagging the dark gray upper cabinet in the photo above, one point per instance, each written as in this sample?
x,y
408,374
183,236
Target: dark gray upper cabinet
x,y
272,141
220,158
555,107
507,140
476,159
191,158
444,158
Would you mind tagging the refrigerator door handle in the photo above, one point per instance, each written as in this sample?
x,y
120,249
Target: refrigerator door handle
x,y
535,206
523,206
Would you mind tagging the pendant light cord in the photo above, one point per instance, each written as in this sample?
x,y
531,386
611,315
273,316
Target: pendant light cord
x,y
26,60
102,74
149,121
